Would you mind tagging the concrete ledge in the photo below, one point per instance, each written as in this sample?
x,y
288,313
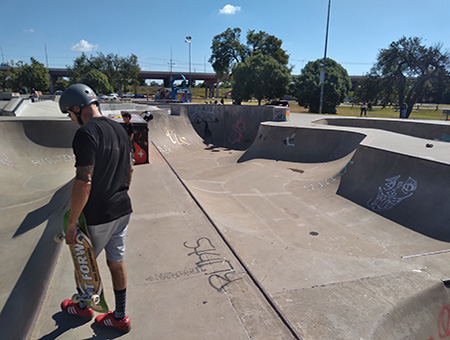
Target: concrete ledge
x,y
434,130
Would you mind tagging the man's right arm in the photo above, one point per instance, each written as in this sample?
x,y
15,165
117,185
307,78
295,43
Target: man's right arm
x,y
79,196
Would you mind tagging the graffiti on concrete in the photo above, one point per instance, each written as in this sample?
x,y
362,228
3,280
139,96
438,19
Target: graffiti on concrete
x,y
53,160
218,269
328,181
443,138
278,116
443,323
392,193
175,139
287,141
206,116
4,159
239,130
179,274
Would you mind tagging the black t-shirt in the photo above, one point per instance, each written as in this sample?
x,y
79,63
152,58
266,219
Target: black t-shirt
x,y
129,128
103,143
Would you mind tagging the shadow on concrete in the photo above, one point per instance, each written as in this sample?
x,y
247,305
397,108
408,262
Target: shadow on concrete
x,y
23,302
65,323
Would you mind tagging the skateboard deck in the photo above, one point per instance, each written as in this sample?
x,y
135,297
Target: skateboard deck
x,y
87,274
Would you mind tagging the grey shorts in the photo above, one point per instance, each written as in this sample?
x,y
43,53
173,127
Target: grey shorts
x,y
110,236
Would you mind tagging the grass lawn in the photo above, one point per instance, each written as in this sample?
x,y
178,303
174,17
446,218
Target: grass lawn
x,y
425,111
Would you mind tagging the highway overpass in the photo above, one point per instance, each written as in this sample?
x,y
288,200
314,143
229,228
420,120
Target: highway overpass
x,y
210,79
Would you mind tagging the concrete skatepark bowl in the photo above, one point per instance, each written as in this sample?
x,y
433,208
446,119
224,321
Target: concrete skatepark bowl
x,y
312,228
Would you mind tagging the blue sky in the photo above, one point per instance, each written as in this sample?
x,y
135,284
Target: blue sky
x,y
156,30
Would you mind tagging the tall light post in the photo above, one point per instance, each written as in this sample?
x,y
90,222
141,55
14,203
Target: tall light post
x,y
188,40
322,74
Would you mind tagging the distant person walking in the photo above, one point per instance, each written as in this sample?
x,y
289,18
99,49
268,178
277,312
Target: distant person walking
x,y
363,110
403,111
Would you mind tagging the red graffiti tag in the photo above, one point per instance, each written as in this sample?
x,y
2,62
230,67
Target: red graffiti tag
x,y
444,322
239,129
4,159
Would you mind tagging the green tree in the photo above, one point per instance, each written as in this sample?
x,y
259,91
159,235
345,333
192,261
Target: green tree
x,y
28,76
62,84
106,73
80,67
258,68
98,81
260,76
266,44
121,71
438,89
336,87
227,51
6,78
406,68
241,82
370,90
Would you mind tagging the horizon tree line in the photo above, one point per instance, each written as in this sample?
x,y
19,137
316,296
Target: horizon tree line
x,y
405,73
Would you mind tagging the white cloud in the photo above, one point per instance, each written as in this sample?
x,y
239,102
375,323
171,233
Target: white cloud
x,y
83,46
30,30
230,9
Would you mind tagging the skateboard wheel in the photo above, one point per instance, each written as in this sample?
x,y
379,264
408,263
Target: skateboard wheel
x,y
75,298
59,237
95,299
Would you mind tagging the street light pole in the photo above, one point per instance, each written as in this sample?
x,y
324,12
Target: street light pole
x,y
188,40
322,74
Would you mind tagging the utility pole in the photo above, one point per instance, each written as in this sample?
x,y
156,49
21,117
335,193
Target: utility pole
x,y
46,55
188,40
171,64
322,74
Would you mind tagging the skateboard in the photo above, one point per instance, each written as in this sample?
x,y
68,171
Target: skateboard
x,y
87,274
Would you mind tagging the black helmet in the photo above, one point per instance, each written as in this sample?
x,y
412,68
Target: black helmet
x,y
77,95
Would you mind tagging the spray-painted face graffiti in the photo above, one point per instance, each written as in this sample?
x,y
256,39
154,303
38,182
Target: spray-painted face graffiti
x,y
392,193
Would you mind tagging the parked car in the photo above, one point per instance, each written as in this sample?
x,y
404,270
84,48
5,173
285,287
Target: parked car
x,y
138,95
112,96
278,103
128,95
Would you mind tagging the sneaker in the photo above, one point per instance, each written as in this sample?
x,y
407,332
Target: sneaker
x,y
72,308
108,320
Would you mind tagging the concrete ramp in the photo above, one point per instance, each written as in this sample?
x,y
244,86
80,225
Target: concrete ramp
x,y
36,165
261,230
434,130
303,145
336,269
233,127
47,108
408,190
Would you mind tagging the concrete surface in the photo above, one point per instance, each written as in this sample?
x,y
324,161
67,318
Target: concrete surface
x,y
287,239
36,164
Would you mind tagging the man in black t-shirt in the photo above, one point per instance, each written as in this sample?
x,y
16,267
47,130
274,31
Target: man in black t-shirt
x,y
103,174
128,125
